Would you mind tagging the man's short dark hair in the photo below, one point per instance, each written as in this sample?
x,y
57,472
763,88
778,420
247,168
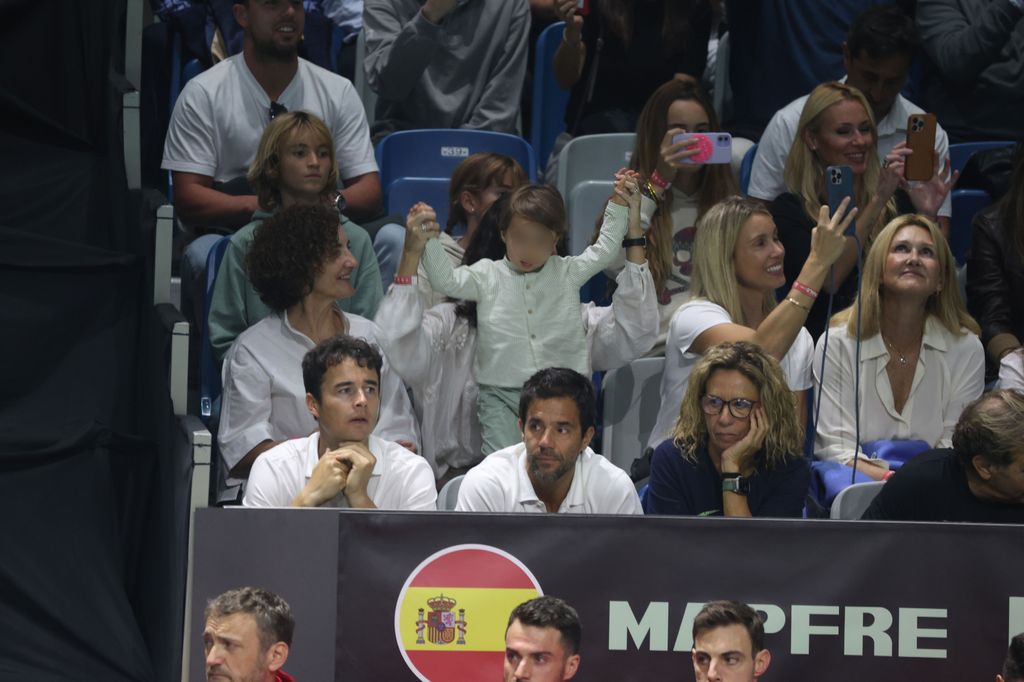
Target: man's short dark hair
x,y
272,614
551,612
288,251
717,614
1013,666
991,426
558,382
334,351
882,31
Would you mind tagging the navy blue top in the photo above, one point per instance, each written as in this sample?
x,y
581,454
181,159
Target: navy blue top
x,y
682,488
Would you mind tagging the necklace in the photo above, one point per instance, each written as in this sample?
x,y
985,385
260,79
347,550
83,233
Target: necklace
x,y
898,356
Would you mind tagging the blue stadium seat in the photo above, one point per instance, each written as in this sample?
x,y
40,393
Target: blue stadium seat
x,y
405,192
435,152
960,153
181,73
745,168
549,99
209,370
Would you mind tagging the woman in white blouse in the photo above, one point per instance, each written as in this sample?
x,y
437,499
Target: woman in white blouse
x,y
920,357
433,350
301,265
737,268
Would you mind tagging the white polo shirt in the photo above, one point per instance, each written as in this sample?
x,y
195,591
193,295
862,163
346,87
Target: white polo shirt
x,y
767,179
400,479
500,484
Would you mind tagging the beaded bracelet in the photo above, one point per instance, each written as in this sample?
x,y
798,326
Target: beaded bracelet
x,y
805,290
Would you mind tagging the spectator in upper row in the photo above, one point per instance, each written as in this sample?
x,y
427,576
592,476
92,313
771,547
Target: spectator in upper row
x,y
912,343
1013,666
294,165
737,268
877,56
622,51
836,129
995,280
446,63
301,265
218,120
974,75
433,349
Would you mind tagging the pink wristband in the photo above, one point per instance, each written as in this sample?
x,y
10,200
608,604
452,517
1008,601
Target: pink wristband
x,y
888,475
403,279
661,182
805,290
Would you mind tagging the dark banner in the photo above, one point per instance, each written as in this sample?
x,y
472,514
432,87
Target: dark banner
x,y
427,596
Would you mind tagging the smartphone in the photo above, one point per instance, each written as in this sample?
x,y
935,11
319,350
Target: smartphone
x,y
921,139
583,7
839,180
714,147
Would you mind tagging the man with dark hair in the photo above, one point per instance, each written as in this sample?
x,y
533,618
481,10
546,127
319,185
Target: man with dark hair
x,y
980,480
877,55
247,636
728,643
342,464
542,641
217,123
1013,666
553,469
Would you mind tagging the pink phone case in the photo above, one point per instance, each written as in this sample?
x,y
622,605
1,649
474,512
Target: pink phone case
x,y
714,147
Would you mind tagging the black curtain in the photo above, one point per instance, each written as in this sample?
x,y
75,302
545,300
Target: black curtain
x,y
91,565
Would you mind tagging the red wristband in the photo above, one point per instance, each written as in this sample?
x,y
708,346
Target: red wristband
x,y
805,290
888,475
661,182
403,279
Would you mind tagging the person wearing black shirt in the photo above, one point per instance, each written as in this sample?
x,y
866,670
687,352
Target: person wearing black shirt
x,y
981,480
735,448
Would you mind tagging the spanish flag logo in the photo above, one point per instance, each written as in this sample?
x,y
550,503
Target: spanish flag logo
x,y
452,612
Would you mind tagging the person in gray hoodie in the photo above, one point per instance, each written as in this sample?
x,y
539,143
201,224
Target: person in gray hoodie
x,y
446,63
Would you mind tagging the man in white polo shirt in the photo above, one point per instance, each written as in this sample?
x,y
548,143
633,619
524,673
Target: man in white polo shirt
x,y
877,54
553,469
341,465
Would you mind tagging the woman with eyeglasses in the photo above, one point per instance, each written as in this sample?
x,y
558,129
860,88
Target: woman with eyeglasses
x,y
735,448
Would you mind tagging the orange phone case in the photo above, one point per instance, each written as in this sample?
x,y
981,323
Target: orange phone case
x,y
921,139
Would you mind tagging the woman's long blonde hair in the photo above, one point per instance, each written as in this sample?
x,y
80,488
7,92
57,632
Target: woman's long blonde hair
x,y
785,435
804,174
716,180
946,305
714,250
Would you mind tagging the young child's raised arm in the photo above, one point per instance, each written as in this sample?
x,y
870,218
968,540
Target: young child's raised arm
x,y
602,252
465,282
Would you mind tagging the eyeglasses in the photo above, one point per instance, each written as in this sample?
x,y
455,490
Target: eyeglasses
x,y
277,108
738,407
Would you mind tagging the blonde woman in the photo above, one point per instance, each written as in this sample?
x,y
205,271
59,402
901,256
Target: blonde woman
x,y
737,268
735,449
837,128
920,357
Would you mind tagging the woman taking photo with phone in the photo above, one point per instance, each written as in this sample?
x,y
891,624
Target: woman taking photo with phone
x,y
836,128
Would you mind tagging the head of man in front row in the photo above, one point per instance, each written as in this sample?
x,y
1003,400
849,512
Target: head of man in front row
x,y
1013,666
247,636
553,469
728,643
342,464
542,641
981,480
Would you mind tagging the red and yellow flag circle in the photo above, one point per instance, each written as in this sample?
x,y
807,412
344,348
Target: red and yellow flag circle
x,y
452,612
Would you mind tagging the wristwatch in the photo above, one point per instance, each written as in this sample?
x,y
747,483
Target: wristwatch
x,y
735,483
637,241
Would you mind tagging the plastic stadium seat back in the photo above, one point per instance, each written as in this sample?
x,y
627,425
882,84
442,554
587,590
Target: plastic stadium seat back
x,y
549,99
209,371
449,495
404,192
631,397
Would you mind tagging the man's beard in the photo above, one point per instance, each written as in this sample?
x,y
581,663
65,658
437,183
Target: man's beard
x,y
549,476
268,50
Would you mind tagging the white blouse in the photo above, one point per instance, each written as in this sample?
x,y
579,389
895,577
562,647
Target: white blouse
x,y
950,373
433,352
